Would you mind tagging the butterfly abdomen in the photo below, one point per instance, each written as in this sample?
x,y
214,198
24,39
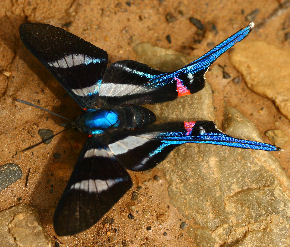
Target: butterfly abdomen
x,y
134,116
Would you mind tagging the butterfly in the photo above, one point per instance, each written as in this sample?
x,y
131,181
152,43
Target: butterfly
x,y
120,130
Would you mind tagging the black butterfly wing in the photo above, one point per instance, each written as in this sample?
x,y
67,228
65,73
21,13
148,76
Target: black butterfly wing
x,y
96,184
99,180
126,82
78,65
143,149
131,82
139,150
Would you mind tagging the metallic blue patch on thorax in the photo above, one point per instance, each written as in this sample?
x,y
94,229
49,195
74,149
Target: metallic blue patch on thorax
x,y
102,119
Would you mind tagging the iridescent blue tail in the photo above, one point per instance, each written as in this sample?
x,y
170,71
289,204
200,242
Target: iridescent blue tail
x,y
144,149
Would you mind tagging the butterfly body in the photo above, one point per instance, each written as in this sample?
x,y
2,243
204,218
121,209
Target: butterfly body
x,y
122,136
97,121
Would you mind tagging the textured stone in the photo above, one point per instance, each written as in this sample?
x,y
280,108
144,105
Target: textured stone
x,y
227,194
266,71
230,196
186,108
6,54
19,227
46,135
9,174
107,26
278,137
159,58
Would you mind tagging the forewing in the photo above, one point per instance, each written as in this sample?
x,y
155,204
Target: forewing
x,y
78,65
96,184
127,82
130,82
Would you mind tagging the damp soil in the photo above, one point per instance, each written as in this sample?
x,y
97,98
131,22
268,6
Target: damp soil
x,y
144,216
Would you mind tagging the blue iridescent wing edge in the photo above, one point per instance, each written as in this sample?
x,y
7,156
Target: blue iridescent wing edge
x,y
144,149
124,82
131,82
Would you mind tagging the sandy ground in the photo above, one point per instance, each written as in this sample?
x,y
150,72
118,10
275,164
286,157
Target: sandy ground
x,y
117,26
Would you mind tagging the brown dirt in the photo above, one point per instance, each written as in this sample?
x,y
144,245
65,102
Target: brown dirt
x,y
116,26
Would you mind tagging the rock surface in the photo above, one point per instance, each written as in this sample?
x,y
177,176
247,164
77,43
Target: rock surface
x,y
227,195
9,173
159,58
19,227
46,135
230,196
278,137
266,71
150,220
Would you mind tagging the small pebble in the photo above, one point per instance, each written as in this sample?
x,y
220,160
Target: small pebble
x,y
213,28
9,174
128,3
226,75
156,178
131,216
180,12
56,244
287,36
197,23
108,220
170,17
182,225
148,228
46,135
164,233
134,196
252,16
198,36
168,38
237,80
139,187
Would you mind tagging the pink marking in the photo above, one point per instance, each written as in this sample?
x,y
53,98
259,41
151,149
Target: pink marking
x,y
188,127
180,88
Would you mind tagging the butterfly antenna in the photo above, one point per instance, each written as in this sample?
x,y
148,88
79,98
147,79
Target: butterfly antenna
x,y
44,140
41,108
